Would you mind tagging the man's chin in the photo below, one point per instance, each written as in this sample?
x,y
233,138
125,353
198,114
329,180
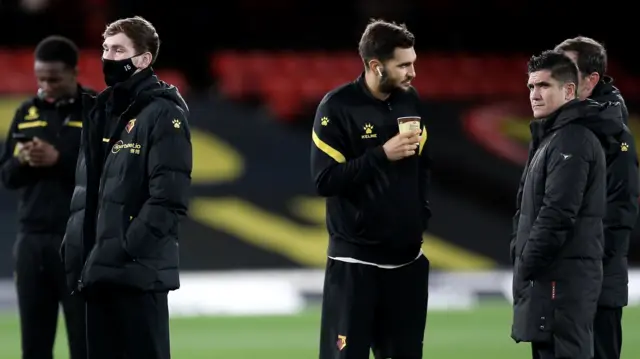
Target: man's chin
x,y
405,86
539,114
390,88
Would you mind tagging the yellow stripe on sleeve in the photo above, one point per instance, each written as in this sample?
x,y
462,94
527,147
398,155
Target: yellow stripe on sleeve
x,y
77,124
330,151
32,124
423,140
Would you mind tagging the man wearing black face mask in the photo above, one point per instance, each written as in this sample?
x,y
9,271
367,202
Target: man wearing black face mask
x,y
39,161
133,174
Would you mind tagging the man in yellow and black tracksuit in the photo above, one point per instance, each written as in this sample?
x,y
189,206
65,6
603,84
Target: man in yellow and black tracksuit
x,y
39,161
374,171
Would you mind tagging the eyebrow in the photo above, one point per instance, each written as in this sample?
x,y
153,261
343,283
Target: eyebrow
x,y
116,46
538,84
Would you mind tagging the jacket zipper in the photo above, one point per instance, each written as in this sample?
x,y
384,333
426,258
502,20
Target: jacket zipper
x,y
107,164
100,190
87,157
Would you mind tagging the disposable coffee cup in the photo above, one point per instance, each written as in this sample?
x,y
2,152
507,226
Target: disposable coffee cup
x,y
409,124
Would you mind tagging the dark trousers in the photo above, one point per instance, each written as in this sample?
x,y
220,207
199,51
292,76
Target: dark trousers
x,y
607,333
124,323
546,351
366,308
41,287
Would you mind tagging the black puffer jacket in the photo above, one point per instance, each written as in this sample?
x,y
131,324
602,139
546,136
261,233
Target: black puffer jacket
x,y
622,195
559,241
131,188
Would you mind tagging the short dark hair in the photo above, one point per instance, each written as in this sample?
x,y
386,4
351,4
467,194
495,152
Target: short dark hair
x,y
57,49
381,38
592,56
141,32
561,67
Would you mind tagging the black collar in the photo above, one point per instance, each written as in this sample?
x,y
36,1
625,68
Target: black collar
x,y
362,84
134,84
603,87
567,113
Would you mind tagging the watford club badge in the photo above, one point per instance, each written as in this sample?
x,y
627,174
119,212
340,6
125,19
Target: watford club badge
x,y
130,125
342,342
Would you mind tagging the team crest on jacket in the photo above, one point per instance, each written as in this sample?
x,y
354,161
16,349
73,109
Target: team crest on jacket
x,y
342,342
130,125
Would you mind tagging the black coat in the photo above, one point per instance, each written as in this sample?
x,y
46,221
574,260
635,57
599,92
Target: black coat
x,y
559,241
622,196
132,182
45,192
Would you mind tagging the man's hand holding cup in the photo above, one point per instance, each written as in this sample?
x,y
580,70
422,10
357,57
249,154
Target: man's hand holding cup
x,y
402,145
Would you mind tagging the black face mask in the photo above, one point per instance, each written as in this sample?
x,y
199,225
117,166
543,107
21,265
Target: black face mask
x,y
116,71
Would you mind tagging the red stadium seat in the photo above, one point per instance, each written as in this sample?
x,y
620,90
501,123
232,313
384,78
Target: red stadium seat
x,y
282,99
290,80
16,71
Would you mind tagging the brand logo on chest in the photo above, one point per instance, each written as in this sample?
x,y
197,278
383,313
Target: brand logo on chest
x,y
369,132
133,148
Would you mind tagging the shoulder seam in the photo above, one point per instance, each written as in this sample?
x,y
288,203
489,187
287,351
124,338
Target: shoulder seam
x,y
586,136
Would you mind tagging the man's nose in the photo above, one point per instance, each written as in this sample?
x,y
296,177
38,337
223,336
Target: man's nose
x,y
412,72
534,95
46,86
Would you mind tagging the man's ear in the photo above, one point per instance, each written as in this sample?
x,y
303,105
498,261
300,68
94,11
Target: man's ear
x,y
570,91
144,60
594,78
375,66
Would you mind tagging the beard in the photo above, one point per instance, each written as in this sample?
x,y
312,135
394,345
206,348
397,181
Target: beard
x,y
389,85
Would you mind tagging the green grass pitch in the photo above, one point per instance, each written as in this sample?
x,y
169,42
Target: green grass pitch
x,y
482,333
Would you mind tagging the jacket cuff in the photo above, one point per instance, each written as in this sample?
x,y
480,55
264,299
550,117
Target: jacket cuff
x,y
13,163
379,156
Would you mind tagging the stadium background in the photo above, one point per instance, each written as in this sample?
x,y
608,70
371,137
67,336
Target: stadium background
x,y
253,248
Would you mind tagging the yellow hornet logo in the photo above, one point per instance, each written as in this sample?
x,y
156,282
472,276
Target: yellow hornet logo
x,y
130,125
32,113
342,342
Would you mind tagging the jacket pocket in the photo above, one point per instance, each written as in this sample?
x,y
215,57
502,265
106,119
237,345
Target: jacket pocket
x,y
126,220
109,252
533,312
543,294
520,287
357,214
140,241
